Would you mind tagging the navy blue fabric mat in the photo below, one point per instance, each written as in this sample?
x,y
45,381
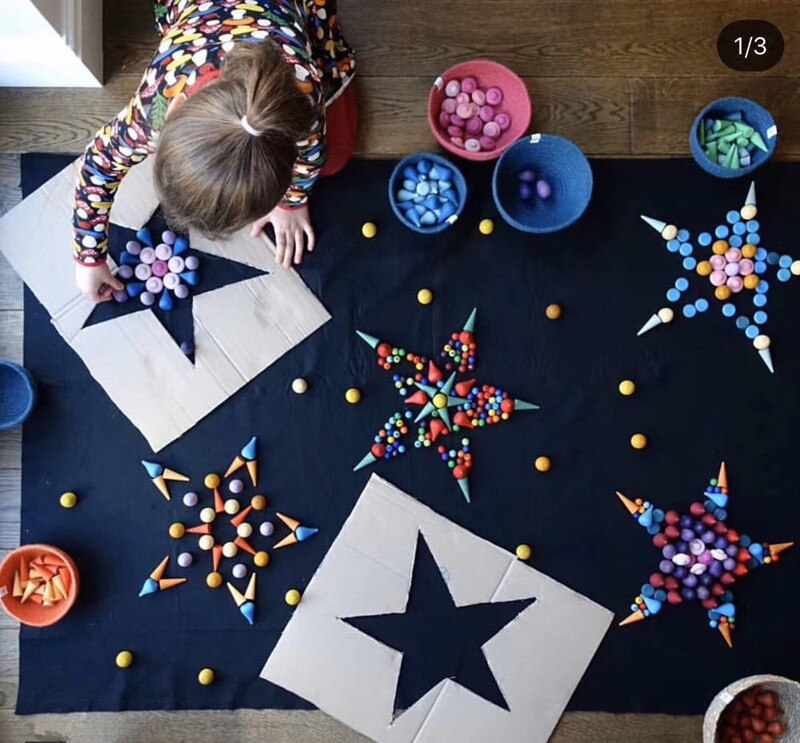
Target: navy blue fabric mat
x,y
703,395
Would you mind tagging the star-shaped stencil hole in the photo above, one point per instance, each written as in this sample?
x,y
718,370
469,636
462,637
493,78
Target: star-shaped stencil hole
x,y
214,273
439,640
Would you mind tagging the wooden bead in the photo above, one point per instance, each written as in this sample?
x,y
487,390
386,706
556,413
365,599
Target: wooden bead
x,y
523,552
299,386
553,311
206,677
369,230
542,464
258,502
293,597
177,530
68,500
638,441
214,580
124,659
424,296
486,227
626,387
261,559
353,395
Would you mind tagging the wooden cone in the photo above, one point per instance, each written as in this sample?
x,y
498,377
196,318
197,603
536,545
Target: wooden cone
x,y
725,631
59,587
628,503
200,529
169,474
637,616
37,598
776,549
30,587
162,486
236,464
252,468
286,541
219,504
243,544
160,568
17,590
250,593
166,583
45,572
24,574
216,552
290,522
722,477
241,516
66,578
48,594
52,561
237,596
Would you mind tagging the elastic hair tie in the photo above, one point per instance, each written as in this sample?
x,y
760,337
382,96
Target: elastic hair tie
x,y
249,129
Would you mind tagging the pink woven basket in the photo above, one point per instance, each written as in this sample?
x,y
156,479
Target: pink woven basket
x,y
516,102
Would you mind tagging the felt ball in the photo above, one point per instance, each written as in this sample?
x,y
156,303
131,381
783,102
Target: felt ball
x,y
206,676
244,530
626,387
527,175
187,348
486,113
211,481
133,247
524,552
124,659
353,395
469,84
147,255
192,262
553,311
486,227
452,89
176,264
231,506
171,280
177,530
494,96
638,441
472,145
190,499
147,298
267,528
491,129
292,597
543,189
239,570
206,542
168,237
439,400
503,120
487,143
181,291
258,502
207,515
424,296
542,464
236,486
68,500
125,272
163,252
142,272
261,559
369,230
478,97
185,559
229,549
703,268
214,580
299,386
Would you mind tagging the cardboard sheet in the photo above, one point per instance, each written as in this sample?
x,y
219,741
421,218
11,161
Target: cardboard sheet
x,y
240,329
537,659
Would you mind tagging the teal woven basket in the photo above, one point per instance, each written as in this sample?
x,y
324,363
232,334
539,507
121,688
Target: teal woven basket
x,y
17,395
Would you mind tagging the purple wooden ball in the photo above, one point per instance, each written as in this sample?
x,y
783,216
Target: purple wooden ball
x,y
690,581
703,593
688,594
526,175
666,567
716,569
680,572
187,348
525,191
731,550
543,189
125,272
669,551
685,521
192,262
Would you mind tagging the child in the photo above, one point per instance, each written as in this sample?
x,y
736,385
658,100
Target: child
x,y
235,98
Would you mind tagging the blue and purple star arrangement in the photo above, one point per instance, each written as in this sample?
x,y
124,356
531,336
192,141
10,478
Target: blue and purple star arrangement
x,y
702,557
162,273
439,405
738,265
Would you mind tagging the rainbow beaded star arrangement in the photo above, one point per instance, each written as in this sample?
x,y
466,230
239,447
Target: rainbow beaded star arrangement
x,y
211,518
701,557
443,405
737,264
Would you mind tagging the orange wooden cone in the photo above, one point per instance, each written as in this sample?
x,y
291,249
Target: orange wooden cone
x,y
250,593
243,544
216,552
725,631
200,529
628,503
45,572
48,595
160,568
52,561
24,574
434,375
290,522
36,598
740,569
286,541
17,590
418,398
463,388
437,428
169,474
462,419
722,477
66,578
166,583
59,586
637,616
776,549
236,464
219,504
252,468
241,516
34,574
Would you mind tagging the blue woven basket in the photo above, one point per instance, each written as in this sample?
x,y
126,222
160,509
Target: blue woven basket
x,y
395,181
558,161
753,114
17,395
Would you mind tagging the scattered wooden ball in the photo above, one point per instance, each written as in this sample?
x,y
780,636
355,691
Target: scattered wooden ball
x,y
261,559
124,659
190,500
542,464
486,227
206,542
553,311
524,552
293,597
239,571
626,387
353,395
231,506
258,502
207,515
424,296
68,500
369,230
638,441
177,530
299,386
206,677
185,559
267,528
229,549
214,580
236,486
244,530
211,481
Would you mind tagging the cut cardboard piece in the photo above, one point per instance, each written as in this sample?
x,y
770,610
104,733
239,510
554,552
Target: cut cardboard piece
x,y
240,329
537,659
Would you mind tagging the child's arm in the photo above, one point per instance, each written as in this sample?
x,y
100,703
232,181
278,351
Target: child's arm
x,y
310,159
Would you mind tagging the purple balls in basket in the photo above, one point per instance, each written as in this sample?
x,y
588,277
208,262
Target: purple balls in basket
x,y
567,183
17,395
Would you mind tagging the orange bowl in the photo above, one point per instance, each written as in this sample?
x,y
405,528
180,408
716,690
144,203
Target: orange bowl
x,y
63,575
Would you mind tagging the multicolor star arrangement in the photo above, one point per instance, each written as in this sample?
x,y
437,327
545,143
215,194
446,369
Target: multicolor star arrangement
x,y
702,557
443,406
211,516
737,264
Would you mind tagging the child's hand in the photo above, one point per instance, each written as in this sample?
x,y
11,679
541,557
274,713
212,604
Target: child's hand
x,y
292,227
96,282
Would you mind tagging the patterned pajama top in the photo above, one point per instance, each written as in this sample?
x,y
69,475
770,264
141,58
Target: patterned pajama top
x,y
195,36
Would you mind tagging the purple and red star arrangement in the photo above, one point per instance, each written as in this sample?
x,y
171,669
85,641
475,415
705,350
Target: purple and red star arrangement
x,y
702,557
441,401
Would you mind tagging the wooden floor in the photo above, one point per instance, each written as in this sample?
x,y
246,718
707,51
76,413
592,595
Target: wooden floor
x,y
620,77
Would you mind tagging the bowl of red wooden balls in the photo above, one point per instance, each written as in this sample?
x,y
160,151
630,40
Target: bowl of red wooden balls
x,y
756,709
478,108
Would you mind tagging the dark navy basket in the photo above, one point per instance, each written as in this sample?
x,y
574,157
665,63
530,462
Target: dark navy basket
x,y
395,181
558,161
17,395
753,114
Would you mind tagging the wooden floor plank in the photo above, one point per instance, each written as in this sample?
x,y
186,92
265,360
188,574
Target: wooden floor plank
x,y
9,508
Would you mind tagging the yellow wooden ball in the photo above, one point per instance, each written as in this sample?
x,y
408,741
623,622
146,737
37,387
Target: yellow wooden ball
x,y
748,211
261,559
206,676
214,580
553,311
749,251
486,227
722,292
626,387
524,552
719,247
177,530
369,230
293,597
353,395
704,268
440,400
68,500
638,441
124,659
751,281
258,502
424,296
542,464
211,481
